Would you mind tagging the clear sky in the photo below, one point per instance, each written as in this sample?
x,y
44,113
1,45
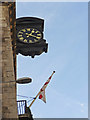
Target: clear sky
x,y
66,31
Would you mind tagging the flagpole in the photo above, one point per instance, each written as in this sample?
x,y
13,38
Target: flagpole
x,y
38,93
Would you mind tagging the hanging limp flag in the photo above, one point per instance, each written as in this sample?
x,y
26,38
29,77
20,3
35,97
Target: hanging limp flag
x,y
42,93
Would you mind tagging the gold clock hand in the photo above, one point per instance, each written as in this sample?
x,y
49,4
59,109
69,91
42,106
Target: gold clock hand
x,y
31,35
34,36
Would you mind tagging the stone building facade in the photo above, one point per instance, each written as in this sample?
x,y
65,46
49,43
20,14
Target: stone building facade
x,y
0,62
7,67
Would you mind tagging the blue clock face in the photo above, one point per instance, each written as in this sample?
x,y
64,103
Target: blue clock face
x,y
29,35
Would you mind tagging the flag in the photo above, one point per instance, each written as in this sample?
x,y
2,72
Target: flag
x,y
42,93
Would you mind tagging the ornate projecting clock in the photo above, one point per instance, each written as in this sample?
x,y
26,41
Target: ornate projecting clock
x,y
29,36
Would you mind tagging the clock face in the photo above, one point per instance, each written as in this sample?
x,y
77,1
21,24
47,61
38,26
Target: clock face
x,y
29,35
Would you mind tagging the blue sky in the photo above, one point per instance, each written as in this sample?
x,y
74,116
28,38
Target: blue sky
x,y
66,31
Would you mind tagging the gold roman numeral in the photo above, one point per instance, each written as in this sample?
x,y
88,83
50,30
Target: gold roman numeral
x,y
30,41
39,34
28,29
23,30
36,31
38,37
35,40
19,35
25,40
33,31
21,38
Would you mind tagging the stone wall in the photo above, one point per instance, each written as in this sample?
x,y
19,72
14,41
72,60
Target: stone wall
x,y
0,62
9,104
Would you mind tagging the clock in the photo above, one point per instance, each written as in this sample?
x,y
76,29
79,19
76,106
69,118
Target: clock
x,y
29,35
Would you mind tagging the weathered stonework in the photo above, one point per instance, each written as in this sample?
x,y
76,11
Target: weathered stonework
x,y
8,94
0,62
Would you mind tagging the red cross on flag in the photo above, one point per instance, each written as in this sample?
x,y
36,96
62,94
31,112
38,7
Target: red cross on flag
x,y
42,96
42,93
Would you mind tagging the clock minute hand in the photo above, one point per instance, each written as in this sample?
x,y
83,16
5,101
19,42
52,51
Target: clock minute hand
x,y
32,35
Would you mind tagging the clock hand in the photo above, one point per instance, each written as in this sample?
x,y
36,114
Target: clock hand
x,y
27,34
32,35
